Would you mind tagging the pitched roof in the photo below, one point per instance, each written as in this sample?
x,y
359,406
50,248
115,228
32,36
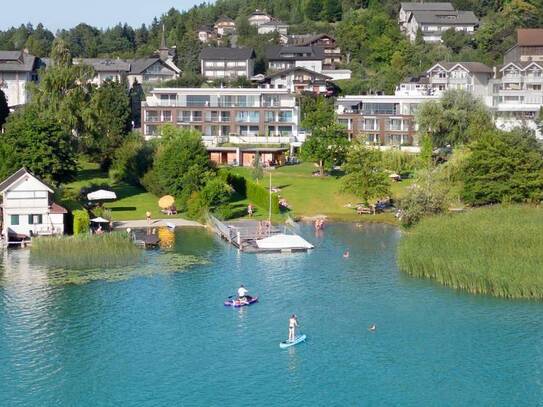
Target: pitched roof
x,y
224,19
57,209
445,17
17,61
306,39
230,54
297,69
18,175
137,66
530,37
105,65
273,23
430,6
259,13
293,53
475,67
522,65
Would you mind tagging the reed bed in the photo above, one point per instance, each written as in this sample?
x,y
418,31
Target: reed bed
x,y
496,251
86,251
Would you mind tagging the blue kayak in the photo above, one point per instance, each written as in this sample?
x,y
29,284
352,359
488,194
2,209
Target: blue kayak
x,y
288,344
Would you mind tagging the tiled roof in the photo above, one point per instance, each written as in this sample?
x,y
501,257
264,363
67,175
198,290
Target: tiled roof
x,y
298,69
306,39
56,209
445,17
530,37
105,65
430,6
292,53
475,67
229,54
17,61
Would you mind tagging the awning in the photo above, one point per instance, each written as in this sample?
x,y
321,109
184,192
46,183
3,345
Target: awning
x,y
101,195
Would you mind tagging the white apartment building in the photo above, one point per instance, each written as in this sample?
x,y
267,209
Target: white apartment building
x,y
225,115
17,70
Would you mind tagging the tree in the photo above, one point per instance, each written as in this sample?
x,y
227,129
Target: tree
x,y
313,9
181,162
326,147
39,144
503,167
136,96
108,120
332,10
4,108
457,118
455,40
365,173
257,172
317,113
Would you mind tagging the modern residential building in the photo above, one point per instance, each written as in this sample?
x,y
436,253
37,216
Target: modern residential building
x,y
332,52
381,120
272,27
280,58
28,208
259,17
225,26
433,23
299,80
17,70
225,115
227,63
406,8
529,46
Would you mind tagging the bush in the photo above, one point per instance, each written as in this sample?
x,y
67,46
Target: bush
x,y
131,161
255,193
215,193
150,182
400,162
225,212
195,208
81,222
101,212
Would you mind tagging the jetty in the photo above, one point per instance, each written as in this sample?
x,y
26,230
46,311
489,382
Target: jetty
x,y
253,236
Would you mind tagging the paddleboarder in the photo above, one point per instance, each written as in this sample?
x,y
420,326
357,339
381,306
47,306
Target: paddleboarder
x,y
292,325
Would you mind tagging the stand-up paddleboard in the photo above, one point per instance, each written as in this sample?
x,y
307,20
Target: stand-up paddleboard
x,y
237,303
297,340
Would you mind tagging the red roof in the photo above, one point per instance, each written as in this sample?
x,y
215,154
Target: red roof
x,y
530,37
57,209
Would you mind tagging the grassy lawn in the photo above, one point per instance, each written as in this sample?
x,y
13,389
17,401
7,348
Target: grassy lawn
x,y
132,202
310,196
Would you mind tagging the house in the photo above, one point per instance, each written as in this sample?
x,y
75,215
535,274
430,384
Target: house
x,y
472,77
272,27
225,26
433,24
17,70
407,8
225,115
152,70
299,80
332,52
227,63
105,69
280,58
259,17
28,208
206,34
529,46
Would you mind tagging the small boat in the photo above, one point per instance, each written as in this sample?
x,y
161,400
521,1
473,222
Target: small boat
x,y
233,302
297,340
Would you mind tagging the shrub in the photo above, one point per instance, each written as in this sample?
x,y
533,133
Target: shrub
x,y
102,212
214,194
150,182
195,208
255,193
225,212
400,162
81,222
131,161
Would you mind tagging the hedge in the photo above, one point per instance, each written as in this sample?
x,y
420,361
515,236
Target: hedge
x,y
81,222
255,193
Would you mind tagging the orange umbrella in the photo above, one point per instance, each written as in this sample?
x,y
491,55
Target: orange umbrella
x,y
166,201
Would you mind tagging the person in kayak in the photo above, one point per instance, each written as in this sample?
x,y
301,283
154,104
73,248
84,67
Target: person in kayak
x,y
242,293
292,325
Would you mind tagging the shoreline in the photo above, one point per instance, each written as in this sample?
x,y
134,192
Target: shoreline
x,y
142,224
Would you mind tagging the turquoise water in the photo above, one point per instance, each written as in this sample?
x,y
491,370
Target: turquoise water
x,y
166,339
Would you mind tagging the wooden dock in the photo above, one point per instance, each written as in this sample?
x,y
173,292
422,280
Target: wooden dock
x,y
145,238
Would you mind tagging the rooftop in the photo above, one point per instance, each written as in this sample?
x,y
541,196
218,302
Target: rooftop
x,y
17,61
300,69
530,37
229,54
429,6
105,65
445,17
276,52
475,67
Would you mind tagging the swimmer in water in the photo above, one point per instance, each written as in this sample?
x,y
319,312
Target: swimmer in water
x,y
346,254
372,328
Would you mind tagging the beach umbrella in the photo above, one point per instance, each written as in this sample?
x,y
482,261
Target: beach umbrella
x,y
99,220
101,195
166,201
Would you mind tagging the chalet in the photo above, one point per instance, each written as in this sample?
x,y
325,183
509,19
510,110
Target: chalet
x,y
28,209
406,8
281,58
529,46
259,17
299,80
332,52
17,70
152,70
220,63
225,26
105,69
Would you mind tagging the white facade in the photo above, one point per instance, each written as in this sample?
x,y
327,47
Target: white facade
x,y
337,74
17,70
272,27
27,208
258,18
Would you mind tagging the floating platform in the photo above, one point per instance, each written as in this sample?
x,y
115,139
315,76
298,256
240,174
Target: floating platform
x,y
254,236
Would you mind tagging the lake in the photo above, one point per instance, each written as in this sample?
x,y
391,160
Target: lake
x,y
163,338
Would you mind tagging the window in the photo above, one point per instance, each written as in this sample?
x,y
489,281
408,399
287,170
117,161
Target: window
x,y
285,131
285,116
270,116
167,116
196,116
35,219
14,220
183,116
197,100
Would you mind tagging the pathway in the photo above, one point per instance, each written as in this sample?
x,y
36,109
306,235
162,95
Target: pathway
x,y
142,223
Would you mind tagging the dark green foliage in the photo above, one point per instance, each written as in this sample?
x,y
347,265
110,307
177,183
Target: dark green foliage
x,y
365,174
39,144
132,160
316,112
181,163
504,167
4,109
255,193
136,96
215,193
81,222
455,40
326,147
151,183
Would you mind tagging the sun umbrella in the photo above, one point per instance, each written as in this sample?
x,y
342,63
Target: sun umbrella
x,y
101,195
166,201
99,220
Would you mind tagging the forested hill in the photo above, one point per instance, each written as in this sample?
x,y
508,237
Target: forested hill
x,y
366,30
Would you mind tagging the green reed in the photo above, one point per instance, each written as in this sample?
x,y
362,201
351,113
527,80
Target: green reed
x,y
496,251
86,251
